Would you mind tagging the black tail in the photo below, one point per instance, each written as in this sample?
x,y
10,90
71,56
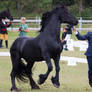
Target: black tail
x,y
19,68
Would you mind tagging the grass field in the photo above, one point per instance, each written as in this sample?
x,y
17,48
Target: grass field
x,y
72,79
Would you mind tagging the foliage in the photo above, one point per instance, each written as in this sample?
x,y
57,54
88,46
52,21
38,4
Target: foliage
x,y
37,7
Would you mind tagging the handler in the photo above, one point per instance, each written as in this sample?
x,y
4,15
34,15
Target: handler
x,y
4,32
88,53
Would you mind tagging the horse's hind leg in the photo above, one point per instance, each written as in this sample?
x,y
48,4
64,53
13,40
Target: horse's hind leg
x,y
55,80
29,73
13,81
14,58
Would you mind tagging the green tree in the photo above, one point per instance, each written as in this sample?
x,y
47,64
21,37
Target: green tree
x,y
80,7
55,2
88,3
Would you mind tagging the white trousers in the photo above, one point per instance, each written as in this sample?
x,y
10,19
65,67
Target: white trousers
x,y
69,43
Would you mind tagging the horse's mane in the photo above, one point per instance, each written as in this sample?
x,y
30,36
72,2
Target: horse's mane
x,y
45,17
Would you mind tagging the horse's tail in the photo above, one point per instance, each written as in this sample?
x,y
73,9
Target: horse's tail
x,y
18,67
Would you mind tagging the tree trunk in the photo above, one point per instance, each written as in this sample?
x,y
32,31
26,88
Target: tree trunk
x,y
80,7
19,8
55,3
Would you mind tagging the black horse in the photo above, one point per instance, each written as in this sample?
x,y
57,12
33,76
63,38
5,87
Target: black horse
x,y
6,14
45,46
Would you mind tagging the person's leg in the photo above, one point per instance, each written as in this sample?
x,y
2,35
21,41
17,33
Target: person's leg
x,y
6,40
69,36
89,59
65,46
1,40
1,43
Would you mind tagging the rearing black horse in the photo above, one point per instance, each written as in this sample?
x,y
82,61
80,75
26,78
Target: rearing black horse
x,y
45,46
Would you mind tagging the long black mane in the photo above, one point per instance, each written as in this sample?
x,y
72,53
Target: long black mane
x,y
44,19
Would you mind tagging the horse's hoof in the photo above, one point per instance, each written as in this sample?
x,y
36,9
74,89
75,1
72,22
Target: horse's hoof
x,y
39,82
55,85
90,84
41,79
55,82
36,87
15,90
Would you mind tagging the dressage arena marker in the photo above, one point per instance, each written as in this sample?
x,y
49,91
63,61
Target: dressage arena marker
x,y
83,45
4,54
72,61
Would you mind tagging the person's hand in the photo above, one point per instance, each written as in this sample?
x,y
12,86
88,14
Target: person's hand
x,y
10,22
75,31
26,30
62,40
20,29
74,28
17,30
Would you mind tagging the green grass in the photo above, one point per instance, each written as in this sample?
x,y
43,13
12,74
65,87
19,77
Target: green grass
x,y
72,79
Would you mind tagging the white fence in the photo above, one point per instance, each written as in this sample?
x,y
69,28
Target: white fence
x,y
38,20
87,22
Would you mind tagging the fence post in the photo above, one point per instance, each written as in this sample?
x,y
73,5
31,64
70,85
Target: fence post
x,y
80,24
38,21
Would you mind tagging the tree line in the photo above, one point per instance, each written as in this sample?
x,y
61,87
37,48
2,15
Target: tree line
x,y
39,6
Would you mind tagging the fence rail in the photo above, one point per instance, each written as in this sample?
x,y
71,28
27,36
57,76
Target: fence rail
x,y
38,20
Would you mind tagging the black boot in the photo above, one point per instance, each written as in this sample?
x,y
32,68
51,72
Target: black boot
x,y
66,48
6,42
1,43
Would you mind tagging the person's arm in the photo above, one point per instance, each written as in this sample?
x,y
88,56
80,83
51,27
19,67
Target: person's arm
x,y
0,29
26,30
63,36
10,23
20,28
81,37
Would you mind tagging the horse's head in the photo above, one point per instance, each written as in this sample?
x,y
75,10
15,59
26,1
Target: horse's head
x,y
65,16
6,14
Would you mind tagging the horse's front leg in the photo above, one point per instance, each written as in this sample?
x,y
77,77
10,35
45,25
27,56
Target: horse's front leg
x,y
43,77
55,80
